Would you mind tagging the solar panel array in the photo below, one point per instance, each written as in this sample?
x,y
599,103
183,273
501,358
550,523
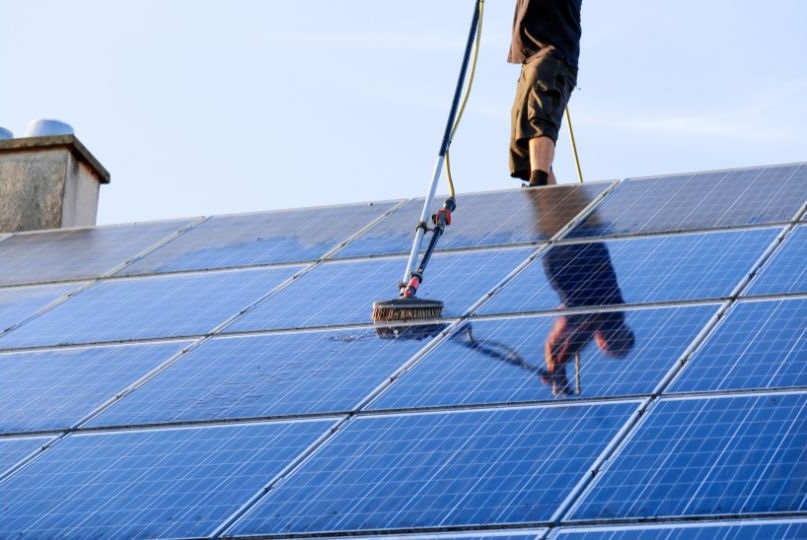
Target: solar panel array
x,y
615,360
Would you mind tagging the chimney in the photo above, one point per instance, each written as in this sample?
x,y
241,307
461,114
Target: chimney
x,y
48,179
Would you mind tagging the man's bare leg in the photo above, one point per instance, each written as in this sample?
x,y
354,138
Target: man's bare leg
x,y
542,153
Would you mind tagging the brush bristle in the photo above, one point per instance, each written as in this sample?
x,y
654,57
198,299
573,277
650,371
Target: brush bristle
x,y
405,314
407,309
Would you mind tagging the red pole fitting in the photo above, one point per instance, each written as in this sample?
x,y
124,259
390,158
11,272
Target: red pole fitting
x,y
412,288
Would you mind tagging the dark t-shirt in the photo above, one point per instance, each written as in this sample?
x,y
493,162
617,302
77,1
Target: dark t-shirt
x,y
542,25
582,275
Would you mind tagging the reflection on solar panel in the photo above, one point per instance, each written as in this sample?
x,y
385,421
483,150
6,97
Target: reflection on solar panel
x,y
501,360
73,254
265,238
644,270
615,361
700,201
510,217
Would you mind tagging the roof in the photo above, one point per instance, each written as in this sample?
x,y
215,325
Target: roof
x,y
220,376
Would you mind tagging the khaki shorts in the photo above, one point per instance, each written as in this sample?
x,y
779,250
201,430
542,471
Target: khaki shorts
x,y
543,90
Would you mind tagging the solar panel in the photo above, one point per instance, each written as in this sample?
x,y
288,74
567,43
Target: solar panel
x,y
749,530
786,272
343,292
261,238
19,303
502,360
72,254
511,217
233,384
718,199
148,483
267,375
758,345
174,305
701,457
13,450
55,388
466,468
639,270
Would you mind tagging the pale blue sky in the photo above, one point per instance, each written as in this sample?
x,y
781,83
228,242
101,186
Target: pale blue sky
x,y
201,107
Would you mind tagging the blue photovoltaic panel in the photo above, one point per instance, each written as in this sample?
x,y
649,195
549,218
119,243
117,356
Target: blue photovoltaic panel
x,y
151,307
14,450
640,270
54,389
786,272
61,255
498,218
497,361
501,466
343,292
780,530
759,344
18,303
708,457
148,483
264,238
269,375
707,200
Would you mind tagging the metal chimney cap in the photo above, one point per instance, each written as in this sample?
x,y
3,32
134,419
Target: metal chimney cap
x,y
45,127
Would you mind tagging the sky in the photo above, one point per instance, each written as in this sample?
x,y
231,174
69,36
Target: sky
x,y
204,107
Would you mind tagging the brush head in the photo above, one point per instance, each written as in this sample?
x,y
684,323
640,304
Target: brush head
x,y
406,309
410,332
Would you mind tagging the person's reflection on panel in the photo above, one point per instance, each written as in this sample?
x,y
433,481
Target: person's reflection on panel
x,y
583,276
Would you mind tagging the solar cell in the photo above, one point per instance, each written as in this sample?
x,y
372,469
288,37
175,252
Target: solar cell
x,y
343,292
757,345
148,483
262,238
174,305
500,360
786,272
636,270
18,303
13,450
268,375
495,467
700,457
697,201
70,254
760,530
55,388
497,218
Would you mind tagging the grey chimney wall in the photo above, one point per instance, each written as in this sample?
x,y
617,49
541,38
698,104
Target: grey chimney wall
x,y
48,182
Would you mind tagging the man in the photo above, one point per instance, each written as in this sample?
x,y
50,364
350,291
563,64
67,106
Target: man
x,y
583,276
546,42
